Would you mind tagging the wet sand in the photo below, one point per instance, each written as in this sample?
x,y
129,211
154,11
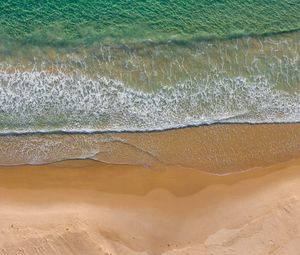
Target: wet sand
x,y
218,149
222,189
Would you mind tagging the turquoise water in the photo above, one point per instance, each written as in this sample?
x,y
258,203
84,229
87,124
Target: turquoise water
x,y
97,66
61,22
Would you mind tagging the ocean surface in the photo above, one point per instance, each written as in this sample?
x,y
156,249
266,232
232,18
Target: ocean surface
x,y
117,66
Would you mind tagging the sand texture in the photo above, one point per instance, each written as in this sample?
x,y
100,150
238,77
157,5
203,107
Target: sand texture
x,y
218,149
85,207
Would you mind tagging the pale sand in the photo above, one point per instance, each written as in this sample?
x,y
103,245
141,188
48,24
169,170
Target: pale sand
x,y
85,207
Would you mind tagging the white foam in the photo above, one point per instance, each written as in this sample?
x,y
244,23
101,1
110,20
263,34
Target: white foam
x,y
45,102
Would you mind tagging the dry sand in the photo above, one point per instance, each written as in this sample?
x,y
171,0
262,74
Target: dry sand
x,y
85,207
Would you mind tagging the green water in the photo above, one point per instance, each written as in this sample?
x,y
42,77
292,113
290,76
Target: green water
x,y
103,66
147,65
61,22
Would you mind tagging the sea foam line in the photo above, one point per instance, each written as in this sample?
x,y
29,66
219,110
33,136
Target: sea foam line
x,y
55,102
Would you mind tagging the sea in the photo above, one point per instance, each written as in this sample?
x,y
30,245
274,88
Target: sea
x,y
99,67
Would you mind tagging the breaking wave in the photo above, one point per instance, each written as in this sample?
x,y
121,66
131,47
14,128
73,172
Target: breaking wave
x,y
47,102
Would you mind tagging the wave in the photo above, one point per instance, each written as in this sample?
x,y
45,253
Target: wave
x,y
150,88
32,102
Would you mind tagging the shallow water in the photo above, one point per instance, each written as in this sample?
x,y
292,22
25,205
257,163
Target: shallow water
x,y
217,149
118,66
143,87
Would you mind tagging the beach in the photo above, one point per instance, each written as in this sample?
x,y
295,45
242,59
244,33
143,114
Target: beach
x,y
149,127
89,207
217,149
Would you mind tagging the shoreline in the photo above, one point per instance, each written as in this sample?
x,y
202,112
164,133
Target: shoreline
x,y
217,149
144,131
166,193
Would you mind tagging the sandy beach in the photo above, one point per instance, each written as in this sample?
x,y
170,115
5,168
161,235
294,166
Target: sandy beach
x,y
87,207
217,149
150,127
